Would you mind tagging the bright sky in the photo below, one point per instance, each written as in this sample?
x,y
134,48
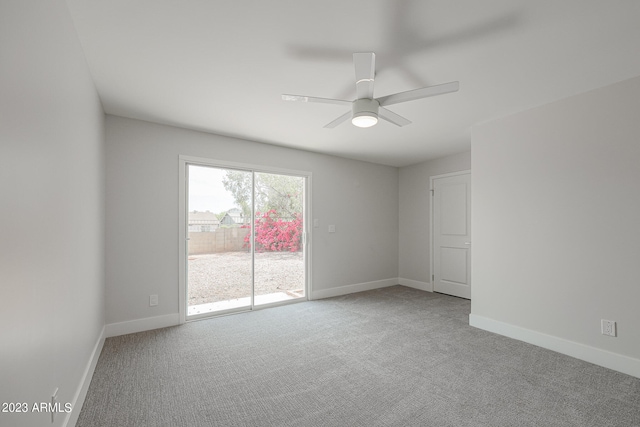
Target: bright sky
x,y
206,192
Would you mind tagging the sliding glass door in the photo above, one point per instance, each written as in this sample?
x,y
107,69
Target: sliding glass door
x,y
244,239
219,265
279,268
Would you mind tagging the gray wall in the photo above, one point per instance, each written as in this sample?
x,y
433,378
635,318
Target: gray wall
x,y
415,213
360,198
52,209
556,211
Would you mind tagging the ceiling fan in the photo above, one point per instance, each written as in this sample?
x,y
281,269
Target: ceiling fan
x,y
366,110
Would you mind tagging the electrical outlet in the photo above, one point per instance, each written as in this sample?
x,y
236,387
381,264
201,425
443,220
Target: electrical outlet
x,y
609,327
332,229
153,300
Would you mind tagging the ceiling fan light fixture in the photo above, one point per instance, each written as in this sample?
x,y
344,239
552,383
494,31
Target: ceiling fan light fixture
x,y
365,112
365,120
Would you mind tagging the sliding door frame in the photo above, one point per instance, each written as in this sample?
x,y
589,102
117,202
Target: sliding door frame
x,y
183,162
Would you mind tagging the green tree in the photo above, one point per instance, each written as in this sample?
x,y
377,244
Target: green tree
x,y
282,193
238,183
221,215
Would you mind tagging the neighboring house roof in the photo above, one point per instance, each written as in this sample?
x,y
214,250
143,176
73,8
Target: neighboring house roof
x,y
233,216
204,218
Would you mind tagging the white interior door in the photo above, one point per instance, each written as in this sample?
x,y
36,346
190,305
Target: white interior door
x,y
451,208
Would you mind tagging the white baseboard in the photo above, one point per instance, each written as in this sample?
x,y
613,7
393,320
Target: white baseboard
x,y
140,325
617,362
423,286
149,323
350,289
78,400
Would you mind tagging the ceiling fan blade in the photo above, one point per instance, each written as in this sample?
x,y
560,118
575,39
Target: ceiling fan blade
x,y
414,94
343,118
392,117
365,65
300,98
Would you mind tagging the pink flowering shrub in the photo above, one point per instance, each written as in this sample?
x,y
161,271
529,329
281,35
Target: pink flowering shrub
x,y
273,234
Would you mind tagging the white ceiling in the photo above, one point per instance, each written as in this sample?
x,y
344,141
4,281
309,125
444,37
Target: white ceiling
x,y
221,66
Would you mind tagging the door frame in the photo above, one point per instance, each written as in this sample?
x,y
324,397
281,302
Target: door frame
x,y
431,215
183,161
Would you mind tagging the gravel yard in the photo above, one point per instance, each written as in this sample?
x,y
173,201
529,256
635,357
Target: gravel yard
x,y
227,275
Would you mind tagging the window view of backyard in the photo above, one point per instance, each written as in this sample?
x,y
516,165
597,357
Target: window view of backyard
x,y
220,261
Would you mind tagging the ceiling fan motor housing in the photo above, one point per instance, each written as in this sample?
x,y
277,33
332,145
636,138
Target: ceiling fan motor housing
x,y
365,108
